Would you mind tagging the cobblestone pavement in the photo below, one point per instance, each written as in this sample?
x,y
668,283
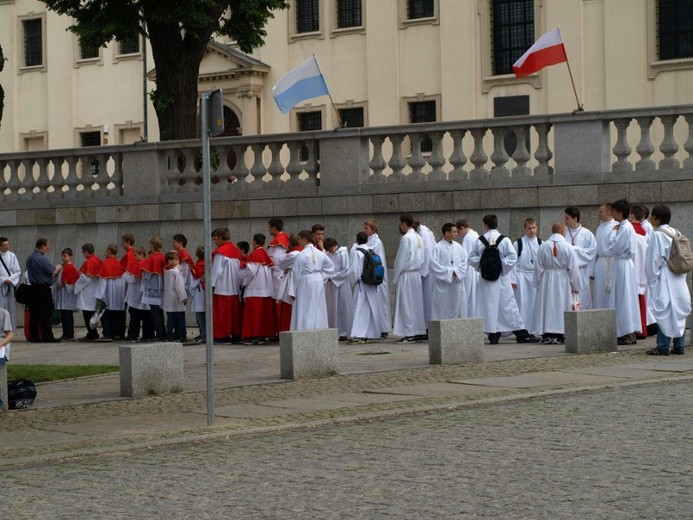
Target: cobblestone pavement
x,y
621,453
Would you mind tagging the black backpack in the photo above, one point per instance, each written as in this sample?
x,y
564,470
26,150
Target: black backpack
x,y
519,245
373,270
20,394
490,264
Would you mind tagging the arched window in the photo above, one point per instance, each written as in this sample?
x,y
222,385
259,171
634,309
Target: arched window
x,y
232,126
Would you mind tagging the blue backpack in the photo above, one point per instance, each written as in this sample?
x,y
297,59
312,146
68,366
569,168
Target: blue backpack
x,y
373,270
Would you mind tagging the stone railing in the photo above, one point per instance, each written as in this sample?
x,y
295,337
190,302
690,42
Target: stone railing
x,y
523,150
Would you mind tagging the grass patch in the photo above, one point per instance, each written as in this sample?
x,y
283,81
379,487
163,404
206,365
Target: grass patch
x,y
43,373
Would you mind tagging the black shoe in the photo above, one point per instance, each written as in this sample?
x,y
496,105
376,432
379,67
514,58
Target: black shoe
x,y
407,339
422,337
343,338
529,338
657,352
67,338
494,337
383,335
679,351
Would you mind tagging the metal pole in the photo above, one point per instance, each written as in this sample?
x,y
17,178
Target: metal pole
x,y
145,123
207,218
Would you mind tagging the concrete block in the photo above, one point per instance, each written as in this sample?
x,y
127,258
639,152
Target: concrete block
x,y
150,368
308,353
452,342
590,331
677,191
3,386
580,147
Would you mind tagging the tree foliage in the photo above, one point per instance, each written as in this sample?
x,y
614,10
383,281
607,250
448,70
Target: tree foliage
x,y
178,31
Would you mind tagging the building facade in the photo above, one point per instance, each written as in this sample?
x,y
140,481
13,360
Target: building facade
x,y
386,62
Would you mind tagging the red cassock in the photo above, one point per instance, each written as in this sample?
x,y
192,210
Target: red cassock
x,y
227,317
641,297
259,316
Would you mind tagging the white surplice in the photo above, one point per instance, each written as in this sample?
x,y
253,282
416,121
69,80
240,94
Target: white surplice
x,y
385,314
471,279
409,313
112,291
604,295
286,288
448,267
669,297
7,300
585,246
174,291
226,275
308,274
622,246
555,277
427,281
496,301
366,315
340,304
523,276
85,289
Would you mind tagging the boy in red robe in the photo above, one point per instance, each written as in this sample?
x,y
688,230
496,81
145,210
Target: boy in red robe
x,y
226,283
259,321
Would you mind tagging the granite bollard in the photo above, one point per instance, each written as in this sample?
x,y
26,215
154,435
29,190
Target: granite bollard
x,y
152,368
3,386
452,342
591,330
308,353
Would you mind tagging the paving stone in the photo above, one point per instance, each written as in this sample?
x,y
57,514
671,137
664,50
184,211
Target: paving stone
x,y
536,379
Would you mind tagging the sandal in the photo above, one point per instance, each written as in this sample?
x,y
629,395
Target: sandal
x,y
657,352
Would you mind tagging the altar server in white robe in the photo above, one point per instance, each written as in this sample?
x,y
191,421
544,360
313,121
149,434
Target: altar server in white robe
x,y
311,268
495,298
366,322
670,299
586,249
340,304
604,295
448,267
622,246
409,314
556,278
467,237
427,280
10,273
522,275
370,227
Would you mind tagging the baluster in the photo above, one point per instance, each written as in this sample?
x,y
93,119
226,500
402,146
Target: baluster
x,y
312,165
645,147
457,159
543,154
42,181
688,145
240,170
478,157
294,167
669,146
59,182
28,181
521,155
3,184
14,183
117,177
499,157
416,161
276,170
377,163
72,181
222,176
621,149
396,162
258,169
436,160
187,182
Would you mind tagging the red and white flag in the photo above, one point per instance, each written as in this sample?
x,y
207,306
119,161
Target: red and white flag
x,y
547,50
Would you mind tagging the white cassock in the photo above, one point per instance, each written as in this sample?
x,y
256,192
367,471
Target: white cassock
x,y
448,266
134,291
669,297
523,276
340,304
286,287
555,277
112,291
85,289
64,298
409,315
276,253
366,322
622,245
376,245
427,281
585,246
308,273
7,300
648,228
471,279
604,295
496,300
175,293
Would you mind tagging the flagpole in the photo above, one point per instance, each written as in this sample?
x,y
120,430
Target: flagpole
x,y
570,73
339,118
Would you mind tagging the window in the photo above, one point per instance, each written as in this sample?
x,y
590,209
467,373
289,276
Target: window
x,y
129,45
420,9
90,138
307,122
512,28
307,16
348,13
506,106
88,53
675,29
352,117
423,112
33,42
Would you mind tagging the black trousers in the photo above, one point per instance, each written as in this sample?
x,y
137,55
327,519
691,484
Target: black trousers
x,y
41,310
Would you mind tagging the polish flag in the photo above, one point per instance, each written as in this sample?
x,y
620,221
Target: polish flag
x,y
547,50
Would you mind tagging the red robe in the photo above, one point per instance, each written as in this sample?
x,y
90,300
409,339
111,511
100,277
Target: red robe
x,y
280,239
70,274
259,312
641,297
184,256
227,317
128,258
91,266
154,263
110,268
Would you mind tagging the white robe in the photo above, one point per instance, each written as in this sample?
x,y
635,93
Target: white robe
x,y
669,297
471,279
308,273
64,298
85,289
112,291
409,313
555,278
427,281
226,276
604,295
286,287
622,247
197,294
134,292
174,291
7,300
366,315
340,304
448,267
276,253
523,276
258,280
586,249
495,299
374,243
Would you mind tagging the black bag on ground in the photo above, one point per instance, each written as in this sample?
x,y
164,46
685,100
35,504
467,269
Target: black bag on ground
x,y
20,394
21,293
373,270
490,263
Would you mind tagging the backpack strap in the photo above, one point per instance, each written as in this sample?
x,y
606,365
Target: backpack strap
x,y
539,240
484,241
519,246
